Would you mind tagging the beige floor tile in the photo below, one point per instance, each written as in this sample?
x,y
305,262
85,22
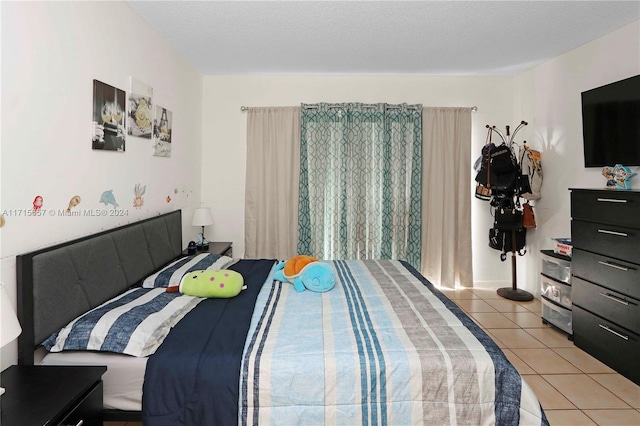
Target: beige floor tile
x,y
584,392
504,305
474,305
496,340
518,363
546,361
583,360
548,396
568,418
552,337
614,417
492,320
534,306
460,294
487,293
516,338
524,319
620,386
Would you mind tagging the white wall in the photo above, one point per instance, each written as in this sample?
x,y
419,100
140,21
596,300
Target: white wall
x,y
547,97
51,52
550,96
224,140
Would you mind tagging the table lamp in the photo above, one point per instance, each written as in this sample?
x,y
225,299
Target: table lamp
x,y
9,327
202,217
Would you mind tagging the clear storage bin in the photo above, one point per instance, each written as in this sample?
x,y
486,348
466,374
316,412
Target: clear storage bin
x,y
556,291
557,315
555,267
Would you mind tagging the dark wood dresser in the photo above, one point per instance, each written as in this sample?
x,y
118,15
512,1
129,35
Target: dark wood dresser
x,y
605,268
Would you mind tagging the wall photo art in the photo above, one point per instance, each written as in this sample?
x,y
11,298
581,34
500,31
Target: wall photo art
x,y
162,132
140,109
108,118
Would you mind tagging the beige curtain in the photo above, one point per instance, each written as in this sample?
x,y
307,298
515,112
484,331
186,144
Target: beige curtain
x,y
446,196
272,185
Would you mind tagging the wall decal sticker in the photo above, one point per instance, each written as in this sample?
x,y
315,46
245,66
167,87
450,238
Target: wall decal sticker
x,y
140,109
139,191
107,198
2,221
37,203
108,118
74,201
162,132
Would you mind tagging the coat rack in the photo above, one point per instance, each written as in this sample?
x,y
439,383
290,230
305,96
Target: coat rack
x,y
513,292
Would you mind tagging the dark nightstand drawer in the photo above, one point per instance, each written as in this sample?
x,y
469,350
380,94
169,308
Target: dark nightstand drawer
x,y
617,347
616,241
608,207
617,275
51,395
616,307
88,410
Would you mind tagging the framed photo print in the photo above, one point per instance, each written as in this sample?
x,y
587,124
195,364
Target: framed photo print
x,y
162,132
108,129
140,109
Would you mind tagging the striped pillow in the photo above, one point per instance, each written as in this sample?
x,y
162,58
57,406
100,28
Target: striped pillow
x,y
135,323
170,275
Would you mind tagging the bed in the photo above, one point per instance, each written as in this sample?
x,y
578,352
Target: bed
x,y
382,347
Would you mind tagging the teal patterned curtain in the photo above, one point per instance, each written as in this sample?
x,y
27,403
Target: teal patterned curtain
x,y
360,181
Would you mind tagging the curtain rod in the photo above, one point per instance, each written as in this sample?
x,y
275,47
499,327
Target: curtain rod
x,y
246,108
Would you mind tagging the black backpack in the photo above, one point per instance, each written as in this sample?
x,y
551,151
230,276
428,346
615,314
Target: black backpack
x,y
499,169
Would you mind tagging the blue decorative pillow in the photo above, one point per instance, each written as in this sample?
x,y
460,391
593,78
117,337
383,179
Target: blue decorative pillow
x,y
170,275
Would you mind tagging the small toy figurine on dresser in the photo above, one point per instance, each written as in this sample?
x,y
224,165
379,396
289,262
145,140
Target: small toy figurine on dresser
x,y
618,177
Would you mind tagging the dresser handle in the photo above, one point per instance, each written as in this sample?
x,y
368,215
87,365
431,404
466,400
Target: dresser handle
x,y
611,200
613,265
622,336
615,299
620,234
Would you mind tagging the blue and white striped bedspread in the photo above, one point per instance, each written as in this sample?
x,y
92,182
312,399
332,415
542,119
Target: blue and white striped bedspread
x,y
382,347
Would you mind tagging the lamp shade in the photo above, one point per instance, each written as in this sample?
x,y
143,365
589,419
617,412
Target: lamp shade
x,y
9,327
202,217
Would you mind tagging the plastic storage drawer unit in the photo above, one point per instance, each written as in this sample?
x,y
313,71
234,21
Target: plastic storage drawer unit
x,y
557,315
556,266
556,291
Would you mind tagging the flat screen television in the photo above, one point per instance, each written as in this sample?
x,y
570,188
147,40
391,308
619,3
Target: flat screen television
x,y
611,124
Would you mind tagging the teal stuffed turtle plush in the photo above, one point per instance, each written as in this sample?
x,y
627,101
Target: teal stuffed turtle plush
x,y
313,275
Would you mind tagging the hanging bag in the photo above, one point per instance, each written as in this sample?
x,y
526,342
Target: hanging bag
x,y
531,177
483,189
528,218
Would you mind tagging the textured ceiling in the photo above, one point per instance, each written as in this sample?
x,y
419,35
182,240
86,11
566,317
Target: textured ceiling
x,y
379,37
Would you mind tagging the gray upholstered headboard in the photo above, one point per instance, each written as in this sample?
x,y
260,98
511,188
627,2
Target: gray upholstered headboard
x,y
58,283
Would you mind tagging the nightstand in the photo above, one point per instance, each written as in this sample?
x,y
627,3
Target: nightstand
x,y
221,248
51,395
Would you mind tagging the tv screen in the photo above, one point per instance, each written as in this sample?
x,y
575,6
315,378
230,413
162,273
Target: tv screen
x,y
611,124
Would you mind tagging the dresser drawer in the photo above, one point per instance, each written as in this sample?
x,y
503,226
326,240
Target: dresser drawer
x,y
617,347
555,267
623,277
615,241
556,315
607,207
556,291
615,307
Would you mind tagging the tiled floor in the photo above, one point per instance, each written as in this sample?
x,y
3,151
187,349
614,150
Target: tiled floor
x,y
573,387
